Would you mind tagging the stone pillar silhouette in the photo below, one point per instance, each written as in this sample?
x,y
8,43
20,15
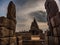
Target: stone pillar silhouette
x,y
52,9
11,15
8,26
52,14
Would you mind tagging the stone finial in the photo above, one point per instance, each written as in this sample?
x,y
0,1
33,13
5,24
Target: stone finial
x,y
11,13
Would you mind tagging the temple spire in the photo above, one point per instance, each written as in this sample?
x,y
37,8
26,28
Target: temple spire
x,y
11,15
34,24
11,12
34,29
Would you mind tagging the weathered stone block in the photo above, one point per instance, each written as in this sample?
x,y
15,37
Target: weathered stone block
x,y
46,39
19,40
13,41
51,8
3,21
51,40
4,32
10,24
4,41
56,41
11,13
55,31
55,21
8,41
52,22
58,31
19,37
11,33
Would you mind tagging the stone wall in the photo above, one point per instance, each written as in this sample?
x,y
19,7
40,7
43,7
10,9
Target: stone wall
x,y
53,17
8,41
8,26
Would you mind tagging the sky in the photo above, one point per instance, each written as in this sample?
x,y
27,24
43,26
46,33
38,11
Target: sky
x,y
26,10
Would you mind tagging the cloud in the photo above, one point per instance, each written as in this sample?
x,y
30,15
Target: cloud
x,y
25,10
40,16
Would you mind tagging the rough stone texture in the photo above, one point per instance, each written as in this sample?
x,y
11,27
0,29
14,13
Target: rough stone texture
x,y
55,31
51,40
52,22
19,40
19,37
13,41
7,26
58,31
52,9
8,41
3,21
4,32
11,13
11,33
53,18
4,41
46,38
55,21
10,24
56,40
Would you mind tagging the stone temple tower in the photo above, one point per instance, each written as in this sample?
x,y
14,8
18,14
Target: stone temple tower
x,y
34,29
34,25
11,13
51,9
8,24
53,17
